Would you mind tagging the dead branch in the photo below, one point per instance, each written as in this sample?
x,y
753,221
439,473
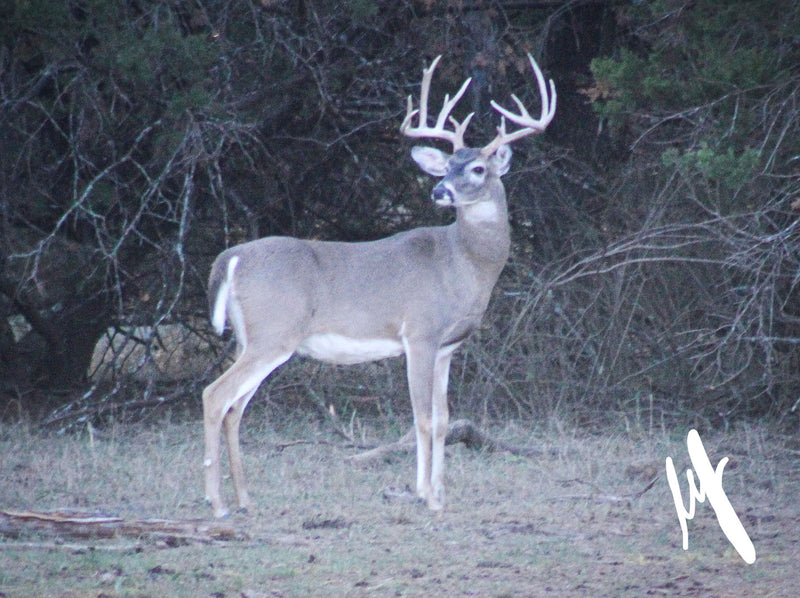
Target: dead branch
x,y
404,445
462,430
329,413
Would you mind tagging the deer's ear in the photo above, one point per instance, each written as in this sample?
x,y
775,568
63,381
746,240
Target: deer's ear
x,y
430,159
501,160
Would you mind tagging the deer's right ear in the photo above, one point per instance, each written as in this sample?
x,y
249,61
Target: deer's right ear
x,y
501,159
430,159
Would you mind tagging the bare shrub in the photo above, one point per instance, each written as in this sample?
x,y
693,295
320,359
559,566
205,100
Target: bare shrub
x,y
169,352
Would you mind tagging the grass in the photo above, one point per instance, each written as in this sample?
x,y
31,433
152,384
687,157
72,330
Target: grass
x,y
545,526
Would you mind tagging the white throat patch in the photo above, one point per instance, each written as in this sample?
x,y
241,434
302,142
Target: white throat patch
x,y
483,211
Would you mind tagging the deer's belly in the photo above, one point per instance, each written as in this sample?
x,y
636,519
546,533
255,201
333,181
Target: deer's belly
x,y
335,348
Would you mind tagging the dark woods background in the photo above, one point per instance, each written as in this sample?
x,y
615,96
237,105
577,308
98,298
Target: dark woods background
x,y
655,263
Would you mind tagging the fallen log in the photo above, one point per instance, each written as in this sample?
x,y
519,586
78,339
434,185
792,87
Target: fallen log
x,y
82,525
459,431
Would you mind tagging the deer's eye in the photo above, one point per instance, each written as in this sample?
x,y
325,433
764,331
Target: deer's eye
x,y
479,170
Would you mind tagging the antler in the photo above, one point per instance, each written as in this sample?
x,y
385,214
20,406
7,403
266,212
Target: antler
x,y
523,119
456,136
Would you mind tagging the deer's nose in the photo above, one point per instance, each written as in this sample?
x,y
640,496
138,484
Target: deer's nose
x,y
442,195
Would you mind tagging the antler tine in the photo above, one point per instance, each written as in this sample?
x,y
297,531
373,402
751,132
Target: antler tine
x,y
438,131
524,119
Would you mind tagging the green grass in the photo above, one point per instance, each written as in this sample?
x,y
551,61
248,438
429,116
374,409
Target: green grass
x,y
320,526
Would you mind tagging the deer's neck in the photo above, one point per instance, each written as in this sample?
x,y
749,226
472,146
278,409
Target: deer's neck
x,y
483,231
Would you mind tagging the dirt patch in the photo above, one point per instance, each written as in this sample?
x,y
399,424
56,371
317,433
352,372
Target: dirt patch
x,y
581,518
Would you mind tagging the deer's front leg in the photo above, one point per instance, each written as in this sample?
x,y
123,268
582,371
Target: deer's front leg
x,y
440,419
420,359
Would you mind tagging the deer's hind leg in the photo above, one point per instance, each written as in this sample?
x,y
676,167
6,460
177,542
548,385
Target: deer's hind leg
x,y
225,400
232,420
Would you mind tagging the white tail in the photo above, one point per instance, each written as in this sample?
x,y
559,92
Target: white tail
x,y
219,308
419,293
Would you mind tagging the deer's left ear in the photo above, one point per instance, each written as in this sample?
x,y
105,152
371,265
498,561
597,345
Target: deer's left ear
x,y
501,159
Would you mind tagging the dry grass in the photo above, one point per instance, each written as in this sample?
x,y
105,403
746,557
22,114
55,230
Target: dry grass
x,y
548,526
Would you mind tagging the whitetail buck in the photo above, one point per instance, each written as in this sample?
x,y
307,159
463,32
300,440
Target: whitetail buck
x,y
418,293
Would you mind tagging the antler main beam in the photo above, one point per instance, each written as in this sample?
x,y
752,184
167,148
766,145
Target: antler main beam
x,y
529,125
438,131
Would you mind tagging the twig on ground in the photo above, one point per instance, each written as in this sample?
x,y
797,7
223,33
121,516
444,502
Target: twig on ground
x,y
604,496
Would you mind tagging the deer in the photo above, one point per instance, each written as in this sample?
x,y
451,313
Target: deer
x,y
418,293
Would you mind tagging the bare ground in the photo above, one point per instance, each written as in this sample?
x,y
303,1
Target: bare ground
x,y
576,520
